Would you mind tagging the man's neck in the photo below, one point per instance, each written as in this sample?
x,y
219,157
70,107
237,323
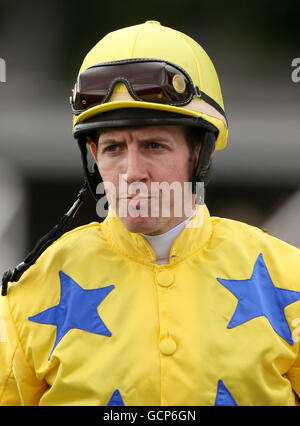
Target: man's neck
x,y
161,243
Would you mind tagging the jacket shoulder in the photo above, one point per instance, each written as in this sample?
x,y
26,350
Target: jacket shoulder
x,y
78,235
71,248
243,243
242,231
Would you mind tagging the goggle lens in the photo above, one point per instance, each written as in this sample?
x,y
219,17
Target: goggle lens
x,y
150,81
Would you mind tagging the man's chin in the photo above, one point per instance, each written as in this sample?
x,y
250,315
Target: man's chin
x,y
143,225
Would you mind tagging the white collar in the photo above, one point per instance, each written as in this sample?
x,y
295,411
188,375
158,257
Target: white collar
x,y
162,243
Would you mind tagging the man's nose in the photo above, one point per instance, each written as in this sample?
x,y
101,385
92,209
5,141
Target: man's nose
x,y
135,170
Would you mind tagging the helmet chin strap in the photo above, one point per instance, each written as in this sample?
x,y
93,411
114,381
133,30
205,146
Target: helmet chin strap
x,y
93,178
203,168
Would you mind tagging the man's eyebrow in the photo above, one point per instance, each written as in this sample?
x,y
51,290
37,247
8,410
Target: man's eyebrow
x,y
147,139
109,140
158,139
154,139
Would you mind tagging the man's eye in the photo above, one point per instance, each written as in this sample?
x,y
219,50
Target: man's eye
x,y
111,148
155,145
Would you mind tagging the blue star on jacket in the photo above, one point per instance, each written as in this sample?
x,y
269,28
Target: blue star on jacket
x,y
116,399
258,296
77,308
224,397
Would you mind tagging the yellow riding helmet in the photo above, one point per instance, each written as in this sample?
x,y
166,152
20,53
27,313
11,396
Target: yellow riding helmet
x,y
152,40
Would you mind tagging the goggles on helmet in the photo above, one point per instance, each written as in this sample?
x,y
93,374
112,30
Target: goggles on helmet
x,y
148,80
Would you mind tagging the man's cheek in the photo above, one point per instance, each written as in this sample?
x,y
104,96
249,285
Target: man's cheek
x,y
111,193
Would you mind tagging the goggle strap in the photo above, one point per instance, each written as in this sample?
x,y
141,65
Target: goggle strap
x,y
210,101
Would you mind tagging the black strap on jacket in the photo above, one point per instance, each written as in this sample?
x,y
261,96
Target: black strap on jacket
x,y
56,232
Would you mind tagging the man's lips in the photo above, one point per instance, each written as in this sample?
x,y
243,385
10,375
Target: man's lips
x,y
135,198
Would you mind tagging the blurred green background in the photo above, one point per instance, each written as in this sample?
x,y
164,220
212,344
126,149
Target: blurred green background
x,y
256,179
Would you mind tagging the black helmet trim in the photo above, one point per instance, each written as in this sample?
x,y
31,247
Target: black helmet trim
x,y
127,117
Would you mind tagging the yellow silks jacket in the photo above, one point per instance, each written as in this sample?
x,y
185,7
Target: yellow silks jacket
x,y
96,322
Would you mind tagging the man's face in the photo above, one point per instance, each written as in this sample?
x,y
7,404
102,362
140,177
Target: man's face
x,y
135,161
